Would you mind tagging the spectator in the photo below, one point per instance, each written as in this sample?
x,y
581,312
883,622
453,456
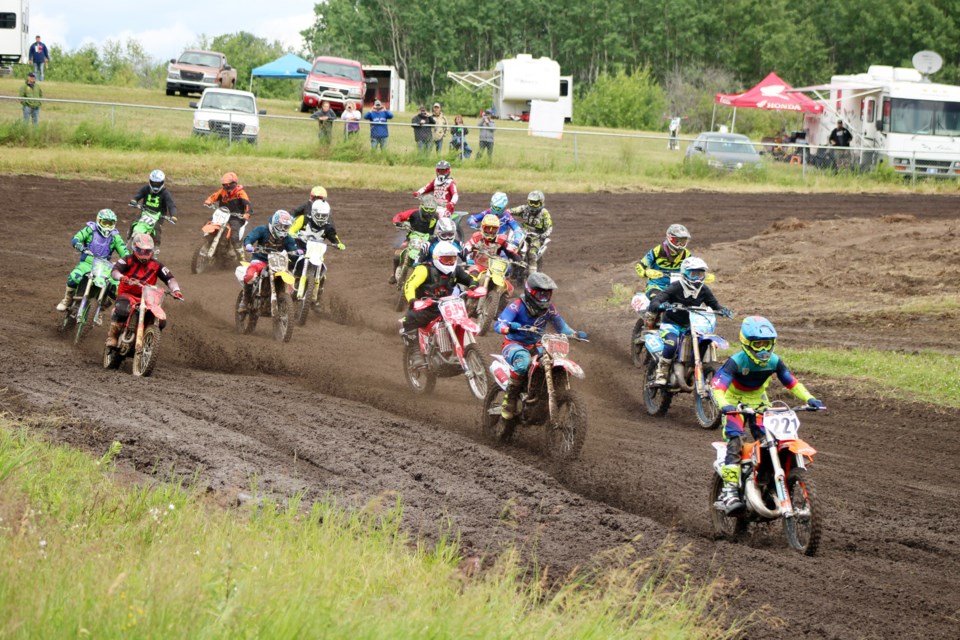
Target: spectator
x,y
39,55
422,133
486,126
29,93
325,116
440,130
378,125
458,137
841,137
351,119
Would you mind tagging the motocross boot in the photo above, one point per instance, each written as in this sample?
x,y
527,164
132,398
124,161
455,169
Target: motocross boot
x,y
64,304
508,410
113,334
412,345
729,499
663,372
245,302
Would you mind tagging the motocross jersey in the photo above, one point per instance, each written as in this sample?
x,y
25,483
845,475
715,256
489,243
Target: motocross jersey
x,y
674,294
657,259
517,312
235,201
90,238
540,224
427,281
305,222
477,250
506,221
162,202
419,221
147,273
740,379
445,193
263,242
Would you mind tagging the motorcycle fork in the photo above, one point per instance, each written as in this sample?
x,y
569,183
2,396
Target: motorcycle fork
x,y
546,363
273,294
699,386
142,312
84,299
216,241
779,477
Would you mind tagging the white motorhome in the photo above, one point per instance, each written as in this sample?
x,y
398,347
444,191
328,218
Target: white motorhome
x,y
14,31
896,115
383,82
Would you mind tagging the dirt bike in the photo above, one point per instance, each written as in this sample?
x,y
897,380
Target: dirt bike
x,y
140,338
493,279
417,243
534,261
641,303
216,245
268,297
96,286
773,487
148,221
313,275
449,348
691,373
546,399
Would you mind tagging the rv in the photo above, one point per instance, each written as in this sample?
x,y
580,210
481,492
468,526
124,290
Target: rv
x,y
14,31
383,83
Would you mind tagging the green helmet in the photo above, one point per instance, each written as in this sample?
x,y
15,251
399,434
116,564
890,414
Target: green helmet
x,y
106,222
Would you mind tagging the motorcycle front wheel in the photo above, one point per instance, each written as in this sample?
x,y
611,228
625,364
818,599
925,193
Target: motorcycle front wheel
x,y
146,360
567,432
420,379
201,257
803,529
304,303
708,413
489,308
246,320
656,399
724,526
495,428
401,297
477,380
83,321
282,327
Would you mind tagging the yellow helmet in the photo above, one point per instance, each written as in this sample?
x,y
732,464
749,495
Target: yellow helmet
x,y
490,227
318,193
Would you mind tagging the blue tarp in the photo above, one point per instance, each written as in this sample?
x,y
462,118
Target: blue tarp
x,y
285,67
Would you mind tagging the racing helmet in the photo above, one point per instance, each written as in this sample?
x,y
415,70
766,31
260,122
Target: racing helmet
x,y
445,257
446,229
157,178
320,212
443,172
498,203
489,227
142,247
758,338
538,290
428,205
535,202
318,193
280,223
676,240
106,222
229,181
693,272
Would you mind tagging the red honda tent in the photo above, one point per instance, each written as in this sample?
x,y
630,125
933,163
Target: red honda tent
x,y
771,93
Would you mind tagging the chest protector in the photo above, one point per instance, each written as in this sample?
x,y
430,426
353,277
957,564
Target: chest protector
x,y
437,284
99,246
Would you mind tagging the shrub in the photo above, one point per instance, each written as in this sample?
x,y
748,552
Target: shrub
x,y
625,100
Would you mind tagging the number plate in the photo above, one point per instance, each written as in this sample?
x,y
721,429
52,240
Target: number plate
x,y
783,425
153,296
221,217
148,220
277,261
498,266
556,344
453,310
101,269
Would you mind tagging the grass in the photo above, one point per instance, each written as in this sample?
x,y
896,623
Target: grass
x,y
88,556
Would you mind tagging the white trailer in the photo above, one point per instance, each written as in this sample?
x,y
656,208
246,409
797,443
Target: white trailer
x,y
514,82
383,83
14,31
896,115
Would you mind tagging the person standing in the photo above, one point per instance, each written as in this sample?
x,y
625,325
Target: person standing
x,y
39,55
379,131
458,138
29,92
325,116
841,137
351,120
486,127
440,128
422,133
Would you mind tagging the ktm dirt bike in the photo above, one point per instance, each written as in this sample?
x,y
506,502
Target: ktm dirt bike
x,y
87,307
691,371
774,480
216,246
417,243
140,336
493,279
268,297
546,400
449,348
313,275
148,221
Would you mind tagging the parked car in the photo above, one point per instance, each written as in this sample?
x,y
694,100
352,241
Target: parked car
x,y
197,70
730,151
227,113
335,80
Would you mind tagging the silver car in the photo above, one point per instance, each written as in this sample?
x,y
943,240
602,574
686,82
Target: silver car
x,y
729,151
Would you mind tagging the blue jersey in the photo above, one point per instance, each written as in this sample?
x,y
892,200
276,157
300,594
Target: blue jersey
x,y
507,222
263,240
517,312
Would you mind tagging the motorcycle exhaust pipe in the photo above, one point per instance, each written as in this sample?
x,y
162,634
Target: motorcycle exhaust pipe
x,y
752,494
679,374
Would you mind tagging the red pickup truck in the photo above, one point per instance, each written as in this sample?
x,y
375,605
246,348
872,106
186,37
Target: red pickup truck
x,y
335,79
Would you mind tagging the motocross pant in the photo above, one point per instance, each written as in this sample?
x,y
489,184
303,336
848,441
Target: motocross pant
x,y
235,224
533,247
519,358
253,270
125,304
414,318
733,432
671,342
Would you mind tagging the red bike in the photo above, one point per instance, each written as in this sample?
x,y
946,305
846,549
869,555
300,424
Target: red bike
x,y
140,336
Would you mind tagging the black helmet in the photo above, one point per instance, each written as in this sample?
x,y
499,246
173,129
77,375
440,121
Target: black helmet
x,y
538,291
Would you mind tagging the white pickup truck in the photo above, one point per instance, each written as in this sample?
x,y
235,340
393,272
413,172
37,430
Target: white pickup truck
x,y
227,113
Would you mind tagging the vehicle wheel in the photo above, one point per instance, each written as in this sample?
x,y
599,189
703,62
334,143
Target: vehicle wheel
x,y
304,304
201,258
282,326
146,360
637,345
420,380
488,311
728,527
401,298
64,322
171,92
320,286
304,108
495,428
480,381
246,321
111,358
708,413
656,399
566,433
802,530
83,323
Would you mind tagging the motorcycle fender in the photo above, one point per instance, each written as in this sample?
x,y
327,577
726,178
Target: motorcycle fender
x,y
240,272
717,340
210,228
572,367
653,342
158,313
501,371
286,277
420,305
721,448
800,448
497,280
469,325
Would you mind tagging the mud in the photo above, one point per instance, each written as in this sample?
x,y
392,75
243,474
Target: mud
x,y
329,413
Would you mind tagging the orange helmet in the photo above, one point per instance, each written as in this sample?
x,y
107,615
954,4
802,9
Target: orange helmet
x,y
229,181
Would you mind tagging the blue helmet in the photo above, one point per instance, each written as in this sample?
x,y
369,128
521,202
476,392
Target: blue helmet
x,y
498,203
758,338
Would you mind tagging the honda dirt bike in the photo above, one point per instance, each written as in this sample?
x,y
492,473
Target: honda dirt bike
x,y
87,307
695,364
268,297
140,336
148,221
546,399
216,245
417,243
313,275
449,348
493,279
773,480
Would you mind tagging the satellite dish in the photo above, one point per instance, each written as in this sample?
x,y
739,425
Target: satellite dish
x,y
927,62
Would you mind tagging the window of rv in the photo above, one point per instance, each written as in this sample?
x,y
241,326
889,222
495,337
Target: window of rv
x,y
336,70
925,117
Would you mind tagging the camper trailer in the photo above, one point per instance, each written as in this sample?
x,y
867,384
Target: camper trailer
x,y
517,81
14,31
384,83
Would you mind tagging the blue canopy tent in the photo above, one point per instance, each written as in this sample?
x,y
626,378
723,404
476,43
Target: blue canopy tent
x,y
285,67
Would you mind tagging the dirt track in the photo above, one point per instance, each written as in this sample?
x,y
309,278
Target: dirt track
x,y
330,412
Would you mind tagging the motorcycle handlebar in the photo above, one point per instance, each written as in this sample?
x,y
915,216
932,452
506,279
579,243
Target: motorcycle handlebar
x,y
743,409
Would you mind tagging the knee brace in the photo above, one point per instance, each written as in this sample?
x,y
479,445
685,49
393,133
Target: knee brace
x,y
734,450
518,358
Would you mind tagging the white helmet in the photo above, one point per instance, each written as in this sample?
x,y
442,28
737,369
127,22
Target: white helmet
x,y
157,178
320,212
693,272
446,229
445,257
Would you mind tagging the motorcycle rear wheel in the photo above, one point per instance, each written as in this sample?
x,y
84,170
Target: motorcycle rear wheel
x,y
656,399
566,433
478,365
282,327
246,321
708,413
638,349
489,309
724,526
146,360
201,257
304,303
421,380
111,358
495,428
804,529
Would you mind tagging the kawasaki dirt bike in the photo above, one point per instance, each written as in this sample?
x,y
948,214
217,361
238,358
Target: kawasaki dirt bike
x,y
494,280
417,243
87,307
449,348
148,221
216,245
268,297
140,336
694,365
313,275
773,480
546,399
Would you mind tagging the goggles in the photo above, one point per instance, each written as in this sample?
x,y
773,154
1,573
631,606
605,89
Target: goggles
x,y
447,261
229,186
697,275
536,204
543,295
497,211
429,210
156,185
107,224
761,345
678,242
443,172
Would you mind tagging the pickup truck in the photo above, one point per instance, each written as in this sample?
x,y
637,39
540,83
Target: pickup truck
x,y
336,80
227,113
197,70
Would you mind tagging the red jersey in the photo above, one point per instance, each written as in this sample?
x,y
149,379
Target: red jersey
x,y
147,273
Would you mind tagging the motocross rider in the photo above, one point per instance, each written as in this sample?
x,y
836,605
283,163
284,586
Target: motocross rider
x,y
317,193
444,231
155,197
498,207
99,237
422,220
234,197
317,222
132,272
430,281
443,188
532,309
689,291
273,236
536,222
664,259
485,243
743,378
